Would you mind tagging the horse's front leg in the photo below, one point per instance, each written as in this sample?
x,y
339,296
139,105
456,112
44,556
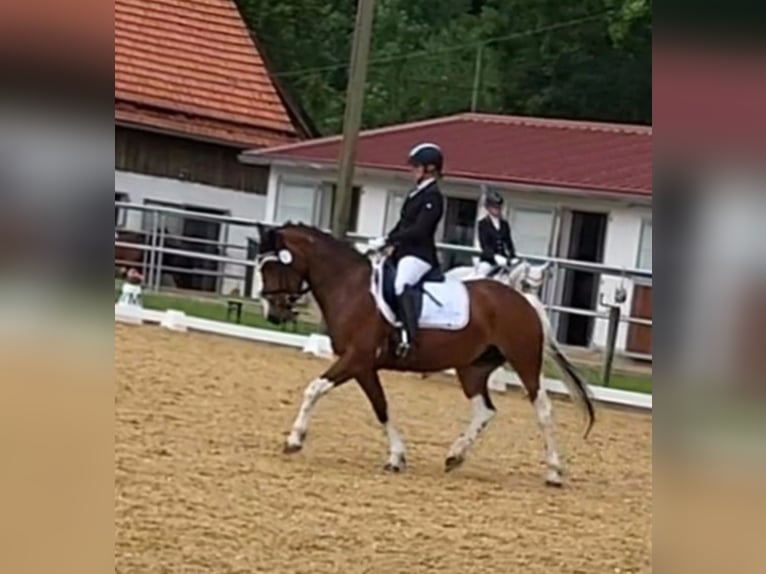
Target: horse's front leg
x,y
370,383
336,375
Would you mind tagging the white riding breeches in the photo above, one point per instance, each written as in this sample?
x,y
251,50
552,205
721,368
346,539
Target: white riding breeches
x,y
483,269
409,271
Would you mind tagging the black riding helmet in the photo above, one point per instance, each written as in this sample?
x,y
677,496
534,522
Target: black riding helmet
x,y
426,154
493,199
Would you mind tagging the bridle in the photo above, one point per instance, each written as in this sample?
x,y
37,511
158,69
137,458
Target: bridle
x,y
292,294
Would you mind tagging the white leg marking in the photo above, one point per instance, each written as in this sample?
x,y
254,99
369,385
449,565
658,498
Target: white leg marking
x,y
311,395
265,307
396,446
545,418
481,417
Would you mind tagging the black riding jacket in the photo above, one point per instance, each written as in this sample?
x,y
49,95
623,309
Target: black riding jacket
x,y
415,232
494,241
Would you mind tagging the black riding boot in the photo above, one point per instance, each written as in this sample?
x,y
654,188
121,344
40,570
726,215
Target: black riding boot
x,y
408,314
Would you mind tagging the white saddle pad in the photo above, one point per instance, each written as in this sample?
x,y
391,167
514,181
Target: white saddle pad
x,y
447,307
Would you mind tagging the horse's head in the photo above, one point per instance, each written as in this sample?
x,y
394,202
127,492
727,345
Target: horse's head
x,y
535,277
283,262
515,275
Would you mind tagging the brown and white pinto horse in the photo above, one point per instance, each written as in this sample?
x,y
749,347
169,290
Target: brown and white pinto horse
x,y
502,327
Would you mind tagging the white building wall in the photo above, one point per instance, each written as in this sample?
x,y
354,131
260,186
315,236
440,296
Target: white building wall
x,y
372,210
270,207
140,188
623,237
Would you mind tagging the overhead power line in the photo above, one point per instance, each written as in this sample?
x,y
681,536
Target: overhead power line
x,y
454,48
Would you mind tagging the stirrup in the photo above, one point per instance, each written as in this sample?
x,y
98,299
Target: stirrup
x,y
403,344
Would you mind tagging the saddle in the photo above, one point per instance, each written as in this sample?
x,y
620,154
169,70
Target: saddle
x,y
443,302
434,275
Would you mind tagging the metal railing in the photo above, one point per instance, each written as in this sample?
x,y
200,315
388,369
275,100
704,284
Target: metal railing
x,y
551,289
155,247
158,243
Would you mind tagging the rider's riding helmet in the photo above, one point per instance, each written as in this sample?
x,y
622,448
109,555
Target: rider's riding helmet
x,y
493,199
427,154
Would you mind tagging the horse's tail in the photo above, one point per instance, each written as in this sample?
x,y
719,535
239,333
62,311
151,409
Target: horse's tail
x,y
574,382
577,387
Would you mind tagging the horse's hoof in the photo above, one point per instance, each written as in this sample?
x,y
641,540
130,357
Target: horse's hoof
x,y
292,448
554,480
396,467
453,462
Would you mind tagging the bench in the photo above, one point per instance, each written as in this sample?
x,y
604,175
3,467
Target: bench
x,y
234,307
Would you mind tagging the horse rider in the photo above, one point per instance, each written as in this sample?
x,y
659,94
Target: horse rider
x,y
497,249
412,241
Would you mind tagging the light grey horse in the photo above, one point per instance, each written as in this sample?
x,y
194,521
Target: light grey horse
x,y
522,276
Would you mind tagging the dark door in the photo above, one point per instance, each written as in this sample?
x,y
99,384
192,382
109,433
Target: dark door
x,y
586,243
459,229
201,235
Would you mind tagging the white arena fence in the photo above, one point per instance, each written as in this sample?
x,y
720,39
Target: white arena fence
x,y
319,345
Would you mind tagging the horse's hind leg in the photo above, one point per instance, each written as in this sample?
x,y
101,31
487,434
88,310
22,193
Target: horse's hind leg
x,y
528,365
474,380
544,412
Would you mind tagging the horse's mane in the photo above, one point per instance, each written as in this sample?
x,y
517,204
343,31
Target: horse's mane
x,y
323,238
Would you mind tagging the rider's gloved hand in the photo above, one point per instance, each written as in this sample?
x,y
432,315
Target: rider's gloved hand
x,y
515,261
501,261
377,243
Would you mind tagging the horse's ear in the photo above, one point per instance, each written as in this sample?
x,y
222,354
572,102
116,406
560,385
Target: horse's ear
x,y
265,234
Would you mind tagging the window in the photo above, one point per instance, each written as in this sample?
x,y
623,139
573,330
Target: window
x,y
645,246
296,203
171,223
120,213
324,206
178,225
531,230
356,194
328,204
459,228
393,209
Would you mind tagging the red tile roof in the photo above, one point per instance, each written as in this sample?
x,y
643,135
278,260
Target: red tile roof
x,y
509,149
190,66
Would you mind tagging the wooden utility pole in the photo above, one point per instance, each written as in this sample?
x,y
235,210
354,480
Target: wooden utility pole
x,y
477,78
352,119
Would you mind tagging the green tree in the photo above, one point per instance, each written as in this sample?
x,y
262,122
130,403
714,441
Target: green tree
x,y
599,68
588,60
